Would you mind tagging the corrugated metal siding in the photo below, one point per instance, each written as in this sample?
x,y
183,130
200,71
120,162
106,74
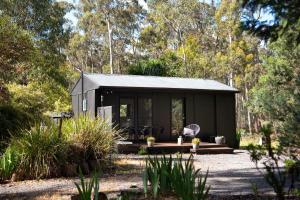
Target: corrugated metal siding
x,y
225,105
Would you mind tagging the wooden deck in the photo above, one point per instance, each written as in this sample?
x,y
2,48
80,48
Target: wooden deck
x,y
172,147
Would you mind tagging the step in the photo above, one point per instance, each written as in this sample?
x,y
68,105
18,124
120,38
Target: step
x,y
217,150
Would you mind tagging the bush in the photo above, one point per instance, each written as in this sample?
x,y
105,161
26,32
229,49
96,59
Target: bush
x,y
40,152
96,136
11,120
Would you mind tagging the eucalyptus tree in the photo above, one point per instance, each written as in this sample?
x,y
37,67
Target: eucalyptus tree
x,y
108,27
174,20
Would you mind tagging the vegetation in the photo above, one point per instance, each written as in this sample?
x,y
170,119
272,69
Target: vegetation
x,y
151,139
276,177
196,141
43,152
96,137
88,190
167,175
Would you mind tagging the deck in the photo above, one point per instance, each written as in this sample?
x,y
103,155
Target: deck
x,y
172,147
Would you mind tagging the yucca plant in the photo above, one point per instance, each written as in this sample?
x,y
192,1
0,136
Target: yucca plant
x,y
88,190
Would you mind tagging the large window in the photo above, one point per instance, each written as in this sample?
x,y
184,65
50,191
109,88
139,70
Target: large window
x,y
126,112
178,116
144,112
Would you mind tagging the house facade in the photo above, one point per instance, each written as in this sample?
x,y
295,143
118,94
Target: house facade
x,y
160,106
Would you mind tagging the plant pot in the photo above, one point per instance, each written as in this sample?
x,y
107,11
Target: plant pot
x,y
179,141
150,144
195,146
220,140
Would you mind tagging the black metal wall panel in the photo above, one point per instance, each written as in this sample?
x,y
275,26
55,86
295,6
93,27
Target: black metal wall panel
x,y
205,115
190,109
161,115
225,105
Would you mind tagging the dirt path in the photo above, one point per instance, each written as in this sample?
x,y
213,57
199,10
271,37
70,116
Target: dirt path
x,y
229,174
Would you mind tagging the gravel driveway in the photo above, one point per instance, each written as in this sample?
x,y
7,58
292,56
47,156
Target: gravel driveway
x,y
229,174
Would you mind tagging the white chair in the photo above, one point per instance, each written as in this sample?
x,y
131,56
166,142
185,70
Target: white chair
x,y
191,130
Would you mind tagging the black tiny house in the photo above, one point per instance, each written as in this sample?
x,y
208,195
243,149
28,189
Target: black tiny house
x,y
162,105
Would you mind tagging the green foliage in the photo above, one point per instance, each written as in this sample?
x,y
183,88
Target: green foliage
x,y
196,141
16,49
11,121
40,151
270,158
8,163
285,19
148,67
95,135
29,99
142,151
167,175
276,96
88,190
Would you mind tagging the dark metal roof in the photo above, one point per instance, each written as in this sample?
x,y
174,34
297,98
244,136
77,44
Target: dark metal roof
x,y
137,81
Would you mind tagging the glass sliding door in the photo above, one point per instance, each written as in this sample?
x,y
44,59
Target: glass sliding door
x,y
177,117
127,113
144,112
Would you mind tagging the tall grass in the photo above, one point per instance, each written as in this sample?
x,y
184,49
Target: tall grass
x,y
96,136
39,151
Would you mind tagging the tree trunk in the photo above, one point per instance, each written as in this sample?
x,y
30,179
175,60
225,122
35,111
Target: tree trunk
x,y
248,112
184,54
110,46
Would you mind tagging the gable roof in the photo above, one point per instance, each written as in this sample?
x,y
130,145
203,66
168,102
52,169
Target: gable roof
x,y
156,82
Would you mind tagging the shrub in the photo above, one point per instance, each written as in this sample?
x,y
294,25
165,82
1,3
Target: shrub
x,y
40,151
8,163
96,136
11,120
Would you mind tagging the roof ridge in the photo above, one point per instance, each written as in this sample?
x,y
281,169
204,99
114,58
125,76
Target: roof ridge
x,y
151,76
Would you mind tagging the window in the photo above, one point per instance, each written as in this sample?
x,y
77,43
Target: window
x,y
126,112
144,112
178,116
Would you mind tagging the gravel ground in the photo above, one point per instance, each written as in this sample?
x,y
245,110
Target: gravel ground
x,y
229,174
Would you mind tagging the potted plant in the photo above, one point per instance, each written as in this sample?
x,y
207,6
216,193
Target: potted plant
x,y
150,141
220,140
195,143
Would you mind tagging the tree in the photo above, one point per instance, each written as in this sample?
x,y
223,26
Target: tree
x,y
149,67
16,49
276,96
108,31
285,22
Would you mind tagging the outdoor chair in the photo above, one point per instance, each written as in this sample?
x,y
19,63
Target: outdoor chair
x,y
191,130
